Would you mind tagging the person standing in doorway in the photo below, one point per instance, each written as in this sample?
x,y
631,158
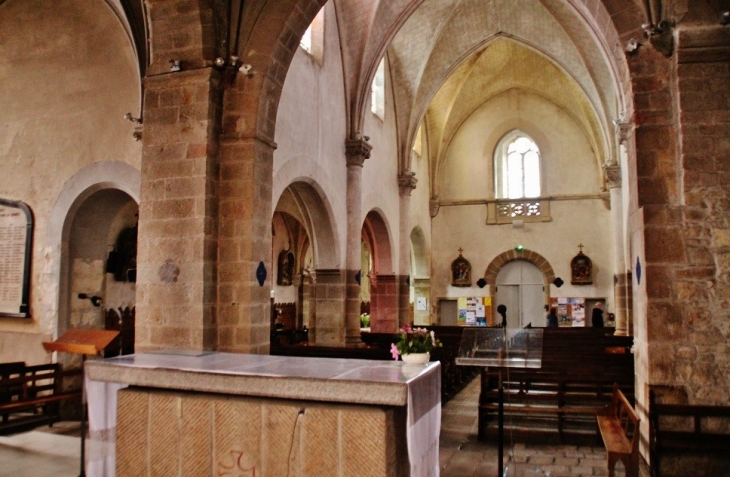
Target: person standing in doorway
x,y
502,310
597,316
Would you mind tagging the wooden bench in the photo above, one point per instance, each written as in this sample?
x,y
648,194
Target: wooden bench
x,y
554,406
689,430
619,427
30,395
559,401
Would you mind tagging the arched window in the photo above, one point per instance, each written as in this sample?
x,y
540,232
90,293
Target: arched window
x,y
516,167
377,91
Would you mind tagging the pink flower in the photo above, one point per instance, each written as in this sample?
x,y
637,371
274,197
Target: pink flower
x,y
394,351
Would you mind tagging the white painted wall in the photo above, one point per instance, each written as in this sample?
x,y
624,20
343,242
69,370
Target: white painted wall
x,y
311,129
311,133
568,167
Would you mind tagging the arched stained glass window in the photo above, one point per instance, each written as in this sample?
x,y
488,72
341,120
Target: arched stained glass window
x,y
516,167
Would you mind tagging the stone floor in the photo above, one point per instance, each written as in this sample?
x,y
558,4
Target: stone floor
x,y
461,455
55,452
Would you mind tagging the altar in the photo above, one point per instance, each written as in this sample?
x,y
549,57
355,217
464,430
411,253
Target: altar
x,y
209,413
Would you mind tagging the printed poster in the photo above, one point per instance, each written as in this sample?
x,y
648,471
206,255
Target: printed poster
x,y
473,311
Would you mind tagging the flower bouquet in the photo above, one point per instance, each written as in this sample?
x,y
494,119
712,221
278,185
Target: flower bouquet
x,y
414,341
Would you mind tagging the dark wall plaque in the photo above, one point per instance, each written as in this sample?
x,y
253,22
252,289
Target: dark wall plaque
x,y
16,235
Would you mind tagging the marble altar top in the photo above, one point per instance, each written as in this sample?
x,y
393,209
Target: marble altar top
x,y
314,379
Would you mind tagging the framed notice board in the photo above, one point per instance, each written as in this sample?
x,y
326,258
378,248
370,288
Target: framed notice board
x,y
16,238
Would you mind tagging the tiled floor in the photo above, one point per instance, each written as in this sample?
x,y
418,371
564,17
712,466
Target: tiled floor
x,y
55,452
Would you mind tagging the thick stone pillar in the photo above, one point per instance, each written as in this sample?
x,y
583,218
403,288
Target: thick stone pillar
x,y
356,151
244,244
613,181
406,183
176,255
383,303
329,301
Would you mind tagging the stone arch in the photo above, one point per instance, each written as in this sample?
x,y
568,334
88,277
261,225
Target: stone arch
x,y
92,178
490,274
375,233
305,200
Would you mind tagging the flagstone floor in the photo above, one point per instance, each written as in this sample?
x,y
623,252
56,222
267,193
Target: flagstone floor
x,y
55,452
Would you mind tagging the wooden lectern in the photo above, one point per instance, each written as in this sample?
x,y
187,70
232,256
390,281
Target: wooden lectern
x,y
84,342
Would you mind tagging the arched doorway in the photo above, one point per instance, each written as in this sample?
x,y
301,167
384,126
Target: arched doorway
x,y
303,240
99,266
377,270
521,288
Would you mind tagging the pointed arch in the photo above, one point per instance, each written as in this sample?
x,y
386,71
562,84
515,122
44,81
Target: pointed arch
x,y
375,233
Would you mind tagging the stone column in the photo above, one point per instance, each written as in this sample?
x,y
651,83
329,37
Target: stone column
x,y
244,243
176,255
406,183
329,301
356,151
613,181
309,281
383,303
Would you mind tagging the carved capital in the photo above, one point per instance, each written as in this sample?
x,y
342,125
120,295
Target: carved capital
x,y
356,151
433,207
407,182
613,175
661,36
624,130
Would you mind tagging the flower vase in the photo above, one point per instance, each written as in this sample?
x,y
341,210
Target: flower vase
x,y
416,358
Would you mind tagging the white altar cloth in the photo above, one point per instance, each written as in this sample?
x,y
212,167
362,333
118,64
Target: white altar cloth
x,y
354,381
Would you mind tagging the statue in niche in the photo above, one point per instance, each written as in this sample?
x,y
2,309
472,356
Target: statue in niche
x,y
581,269
460,271
122,261
286,268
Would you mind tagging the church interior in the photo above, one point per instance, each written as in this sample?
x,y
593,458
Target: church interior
x,y
246,176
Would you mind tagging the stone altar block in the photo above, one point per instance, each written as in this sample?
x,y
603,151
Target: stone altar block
x,y
211,414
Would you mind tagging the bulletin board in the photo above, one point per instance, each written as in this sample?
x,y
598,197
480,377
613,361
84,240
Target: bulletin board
x,y
571,311
474,311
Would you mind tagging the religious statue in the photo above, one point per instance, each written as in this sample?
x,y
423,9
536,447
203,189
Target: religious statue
x,y
460,271
581,269
286,268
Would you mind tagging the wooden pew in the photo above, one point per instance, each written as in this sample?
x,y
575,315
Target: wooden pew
x,y
689,430
619,426
10,392
33,395
559,401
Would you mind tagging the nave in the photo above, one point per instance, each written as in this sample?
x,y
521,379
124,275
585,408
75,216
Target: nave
x,y
54,452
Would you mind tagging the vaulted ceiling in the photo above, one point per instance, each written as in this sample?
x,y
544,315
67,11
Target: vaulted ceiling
x,y
452,56
448,57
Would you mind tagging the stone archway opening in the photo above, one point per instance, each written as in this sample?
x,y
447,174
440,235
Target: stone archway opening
x,y
98,266
503,259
